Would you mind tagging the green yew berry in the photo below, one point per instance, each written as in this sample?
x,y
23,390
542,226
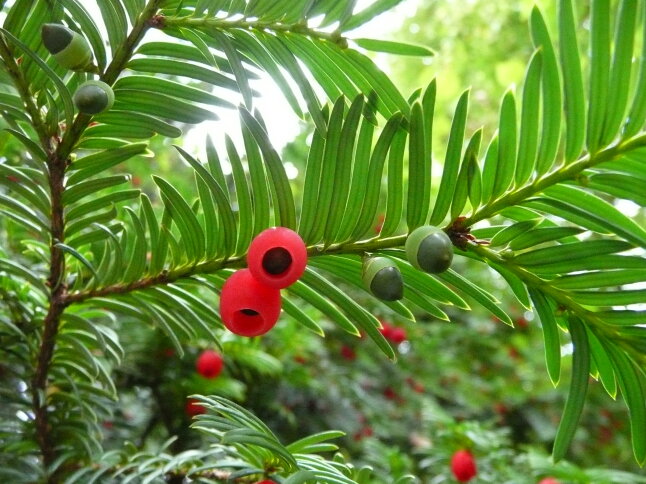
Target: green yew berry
x,y
429,249
69,48
382,277
93,97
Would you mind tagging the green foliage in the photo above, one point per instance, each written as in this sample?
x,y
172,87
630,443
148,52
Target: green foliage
x,y
94,290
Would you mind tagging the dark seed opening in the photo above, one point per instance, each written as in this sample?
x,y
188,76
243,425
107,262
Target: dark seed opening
x,y
249,312
276,260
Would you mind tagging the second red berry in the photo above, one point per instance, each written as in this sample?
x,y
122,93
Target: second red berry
x,y
209,364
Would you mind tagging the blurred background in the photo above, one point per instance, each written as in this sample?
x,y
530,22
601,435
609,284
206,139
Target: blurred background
x,y
471,382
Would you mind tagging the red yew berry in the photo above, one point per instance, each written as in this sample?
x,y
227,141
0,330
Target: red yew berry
x,y
348,353
266,481
398,335
209,364
277,257
248,307
193,408
463,466
549,480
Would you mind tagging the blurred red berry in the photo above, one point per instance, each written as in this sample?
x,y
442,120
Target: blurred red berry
x,y
416,386
193,408
500,408
277,257
463,466
380,223
398,335
266,481
389,393
606,434
365,431
300,359
209,364
386,329
348,353
521,323
513,353
13,178
168,352
107,424
549,480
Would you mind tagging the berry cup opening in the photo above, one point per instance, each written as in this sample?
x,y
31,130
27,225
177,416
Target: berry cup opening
x,y
248,322
276,261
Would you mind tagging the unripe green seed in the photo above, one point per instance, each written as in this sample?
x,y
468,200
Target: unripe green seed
x,y
69,48
382,277
93,97
429,249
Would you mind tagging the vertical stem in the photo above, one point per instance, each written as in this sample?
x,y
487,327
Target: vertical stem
x,y
52,319
57,163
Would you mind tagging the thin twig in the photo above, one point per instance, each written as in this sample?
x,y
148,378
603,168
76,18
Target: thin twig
x,y
259,25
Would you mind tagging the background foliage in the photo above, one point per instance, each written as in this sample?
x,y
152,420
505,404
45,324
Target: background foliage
x,y
114,244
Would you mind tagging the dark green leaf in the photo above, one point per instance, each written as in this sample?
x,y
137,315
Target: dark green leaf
x,y
507,139
551,90
341,173
591,207
169,88
395,196
529,121
572,81
599,71
373,181
284,201
183,216
620,73
578,389
545,309
391,47
630,382
419,171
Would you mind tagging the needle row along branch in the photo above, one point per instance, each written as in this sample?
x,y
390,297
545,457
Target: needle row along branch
x,y
515,197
